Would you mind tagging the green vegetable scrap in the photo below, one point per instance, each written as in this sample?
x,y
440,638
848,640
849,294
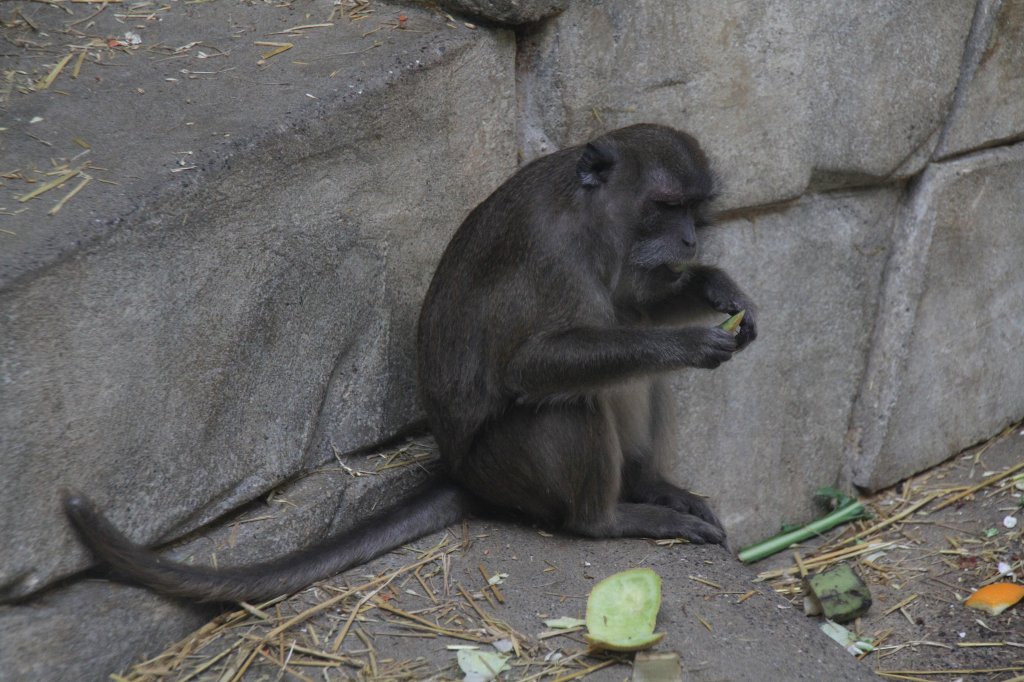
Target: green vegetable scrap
x,y
732,324
840,592
564,623
481,666
657,667
847,509
622,610
846,639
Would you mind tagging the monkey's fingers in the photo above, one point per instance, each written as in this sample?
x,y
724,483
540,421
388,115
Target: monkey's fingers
x,y
700,532
718,347
701,510
747,332
686,502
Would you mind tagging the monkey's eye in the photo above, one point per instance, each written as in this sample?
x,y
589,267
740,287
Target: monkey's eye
x,y
702,216
670,203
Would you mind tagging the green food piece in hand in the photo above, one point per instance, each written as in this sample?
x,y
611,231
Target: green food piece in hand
x,y
622,610
733,323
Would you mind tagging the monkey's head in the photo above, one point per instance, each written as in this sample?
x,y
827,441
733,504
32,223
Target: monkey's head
x,y
652,185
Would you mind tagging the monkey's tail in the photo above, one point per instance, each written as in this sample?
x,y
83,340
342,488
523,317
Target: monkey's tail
x,y
433,508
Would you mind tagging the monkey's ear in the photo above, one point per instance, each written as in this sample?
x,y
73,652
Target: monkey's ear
x,y
595,165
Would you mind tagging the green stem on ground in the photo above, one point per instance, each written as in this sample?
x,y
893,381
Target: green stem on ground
x,y
849,511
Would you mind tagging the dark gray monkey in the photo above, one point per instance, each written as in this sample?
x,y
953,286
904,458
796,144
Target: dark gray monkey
x,y
541,338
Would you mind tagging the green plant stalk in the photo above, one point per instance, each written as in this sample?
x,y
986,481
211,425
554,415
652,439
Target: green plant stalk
x,y
848,512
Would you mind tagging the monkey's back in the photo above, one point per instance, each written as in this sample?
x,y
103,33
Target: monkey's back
x,y
507,273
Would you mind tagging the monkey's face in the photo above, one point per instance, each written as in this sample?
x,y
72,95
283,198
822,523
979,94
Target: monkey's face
x,y
653,184
666,232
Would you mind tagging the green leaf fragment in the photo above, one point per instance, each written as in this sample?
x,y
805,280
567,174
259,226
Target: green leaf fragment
x,y
564,623
847,639
837,497
481,666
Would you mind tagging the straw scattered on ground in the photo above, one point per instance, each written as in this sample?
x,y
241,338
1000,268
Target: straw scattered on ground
x,y
932,540
334,631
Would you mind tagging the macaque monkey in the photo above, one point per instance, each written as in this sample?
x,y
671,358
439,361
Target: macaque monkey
x,y
543,341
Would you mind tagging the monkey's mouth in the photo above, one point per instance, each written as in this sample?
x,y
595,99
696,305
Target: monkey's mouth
x,y
671,272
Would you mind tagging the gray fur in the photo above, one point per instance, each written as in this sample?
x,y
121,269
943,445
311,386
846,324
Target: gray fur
x,y
541,340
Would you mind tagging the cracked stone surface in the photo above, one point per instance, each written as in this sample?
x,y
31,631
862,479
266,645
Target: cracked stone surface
x,y
218,219
179,343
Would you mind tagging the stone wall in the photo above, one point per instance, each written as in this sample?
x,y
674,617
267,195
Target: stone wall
x,y
208,348
841,133
179,344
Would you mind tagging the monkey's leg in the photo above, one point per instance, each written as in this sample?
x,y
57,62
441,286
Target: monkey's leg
x,y
562,465
647,434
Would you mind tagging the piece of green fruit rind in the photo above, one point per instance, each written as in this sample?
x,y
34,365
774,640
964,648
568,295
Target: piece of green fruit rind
x,y
622,610
630,644
733,322
841,592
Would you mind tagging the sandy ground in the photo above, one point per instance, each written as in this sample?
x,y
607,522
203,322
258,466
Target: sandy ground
x,y
406,615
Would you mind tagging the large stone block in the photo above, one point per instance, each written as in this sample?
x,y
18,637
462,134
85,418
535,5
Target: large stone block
x,y
785,96
989,109
945,369
86,630
762,432
89,630
183,358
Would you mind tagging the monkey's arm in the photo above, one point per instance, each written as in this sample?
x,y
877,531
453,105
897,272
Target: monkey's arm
x,y
580,359
710,286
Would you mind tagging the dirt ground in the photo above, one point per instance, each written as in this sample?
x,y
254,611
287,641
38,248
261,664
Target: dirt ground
x,y
930,542
922,567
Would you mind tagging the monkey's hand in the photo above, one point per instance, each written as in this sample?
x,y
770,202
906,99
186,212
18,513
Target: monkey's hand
x,y
731,300
706,347
666,494
723,295
748,326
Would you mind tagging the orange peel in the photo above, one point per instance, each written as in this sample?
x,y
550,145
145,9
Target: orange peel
x,y
996,598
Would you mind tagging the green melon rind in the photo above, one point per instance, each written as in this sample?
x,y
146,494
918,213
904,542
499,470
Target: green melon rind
x,y
635,644
622,610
